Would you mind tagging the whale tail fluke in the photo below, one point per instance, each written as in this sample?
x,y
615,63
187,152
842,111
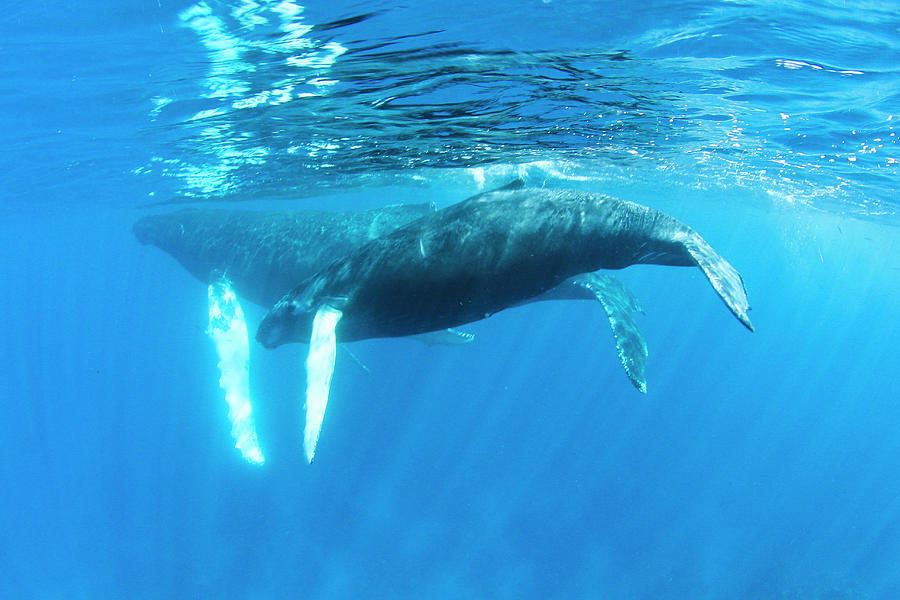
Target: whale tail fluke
x,y
723,277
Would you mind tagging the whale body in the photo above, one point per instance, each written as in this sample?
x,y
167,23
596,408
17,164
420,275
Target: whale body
x,y
488,253
468,261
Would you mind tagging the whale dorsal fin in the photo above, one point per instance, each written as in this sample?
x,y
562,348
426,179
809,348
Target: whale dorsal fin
x,y
319,369
515,184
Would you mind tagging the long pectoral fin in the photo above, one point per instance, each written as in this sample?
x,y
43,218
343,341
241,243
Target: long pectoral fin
x,y
619,303
723,277
319,369
228,330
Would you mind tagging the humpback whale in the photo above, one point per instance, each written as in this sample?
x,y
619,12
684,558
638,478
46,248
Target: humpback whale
x,y
470,260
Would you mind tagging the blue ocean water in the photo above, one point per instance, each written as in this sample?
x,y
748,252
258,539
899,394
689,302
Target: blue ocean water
x,y
524,464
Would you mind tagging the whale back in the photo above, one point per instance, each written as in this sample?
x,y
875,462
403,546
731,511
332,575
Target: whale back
x,y
265,253
475,258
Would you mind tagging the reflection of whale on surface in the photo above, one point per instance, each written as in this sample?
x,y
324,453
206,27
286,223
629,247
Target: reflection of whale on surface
x,y
263,254
470,260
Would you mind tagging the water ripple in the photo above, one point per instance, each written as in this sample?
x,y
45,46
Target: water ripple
x,y
736,93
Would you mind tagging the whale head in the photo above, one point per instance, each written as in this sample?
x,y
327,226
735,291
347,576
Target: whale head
x,y
287,322
185,236
170,231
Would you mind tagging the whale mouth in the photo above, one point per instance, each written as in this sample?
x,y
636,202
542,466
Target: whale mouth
x,y
270,333
282,325
143,230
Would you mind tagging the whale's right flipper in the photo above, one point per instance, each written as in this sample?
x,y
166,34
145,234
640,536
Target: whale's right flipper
x,y
619,303
723,277
319,369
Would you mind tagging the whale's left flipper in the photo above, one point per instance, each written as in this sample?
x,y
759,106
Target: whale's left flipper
x,y
619,303
319,369
228,330
723,277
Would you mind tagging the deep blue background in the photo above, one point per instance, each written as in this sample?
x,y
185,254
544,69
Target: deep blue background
x,y
522,465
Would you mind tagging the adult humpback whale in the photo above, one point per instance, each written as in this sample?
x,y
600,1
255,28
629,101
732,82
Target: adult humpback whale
x,y
471,260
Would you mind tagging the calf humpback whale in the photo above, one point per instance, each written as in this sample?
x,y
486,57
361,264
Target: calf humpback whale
x,y
470,260
490,252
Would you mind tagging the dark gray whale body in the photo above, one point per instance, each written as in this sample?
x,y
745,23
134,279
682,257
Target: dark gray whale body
x,y
265,253
490,252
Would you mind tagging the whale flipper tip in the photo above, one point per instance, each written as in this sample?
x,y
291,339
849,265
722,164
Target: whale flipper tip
x,y
724,278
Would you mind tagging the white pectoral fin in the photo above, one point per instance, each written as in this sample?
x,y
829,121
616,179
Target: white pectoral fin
x,y
319,369
228,331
